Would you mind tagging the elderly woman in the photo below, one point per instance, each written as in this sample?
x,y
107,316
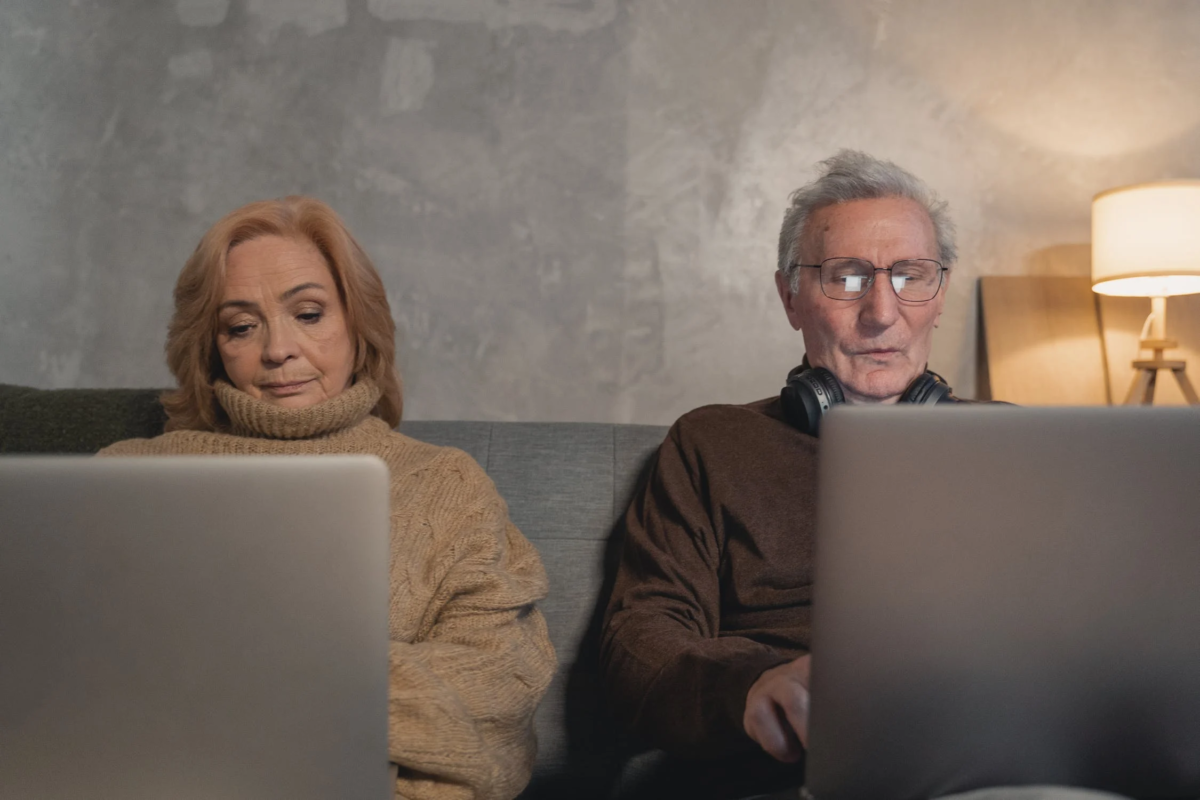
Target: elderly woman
x,y
282,343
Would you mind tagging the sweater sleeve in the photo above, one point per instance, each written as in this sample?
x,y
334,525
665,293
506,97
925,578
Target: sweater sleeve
x,y
669,675
131,447
463,693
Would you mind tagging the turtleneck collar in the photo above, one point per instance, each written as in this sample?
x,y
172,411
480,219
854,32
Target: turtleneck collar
x,y
249,416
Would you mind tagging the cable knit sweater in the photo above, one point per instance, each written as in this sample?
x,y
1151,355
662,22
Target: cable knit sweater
x,y
470,656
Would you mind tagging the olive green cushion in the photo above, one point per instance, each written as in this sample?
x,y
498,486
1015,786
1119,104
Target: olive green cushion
x,y
75,420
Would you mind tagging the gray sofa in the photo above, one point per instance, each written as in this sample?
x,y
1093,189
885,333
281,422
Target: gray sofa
x,y
566,485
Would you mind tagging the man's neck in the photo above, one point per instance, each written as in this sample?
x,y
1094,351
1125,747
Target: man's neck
x,y
858,399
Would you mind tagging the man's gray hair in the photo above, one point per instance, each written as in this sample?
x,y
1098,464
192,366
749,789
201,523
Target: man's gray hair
x,y
854,175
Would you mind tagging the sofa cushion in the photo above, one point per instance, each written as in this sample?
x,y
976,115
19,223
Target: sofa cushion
x,y
75,420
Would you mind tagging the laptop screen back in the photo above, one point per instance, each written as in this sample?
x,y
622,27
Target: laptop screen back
x,y
193,628
1006,596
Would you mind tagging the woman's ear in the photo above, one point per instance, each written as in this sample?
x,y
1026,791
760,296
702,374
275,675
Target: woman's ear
x,y
360,357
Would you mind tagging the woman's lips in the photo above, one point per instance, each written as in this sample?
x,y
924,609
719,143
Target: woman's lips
x,y
284,389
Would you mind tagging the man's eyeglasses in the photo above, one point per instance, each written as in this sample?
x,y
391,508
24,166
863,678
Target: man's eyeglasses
x,y
915,280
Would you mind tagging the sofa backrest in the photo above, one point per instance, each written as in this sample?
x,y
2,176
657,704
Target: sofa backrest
x,y
75,420
566,485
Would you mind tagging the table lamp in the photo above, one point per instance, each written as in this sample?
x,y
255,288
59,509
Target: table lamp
x,y
1146,243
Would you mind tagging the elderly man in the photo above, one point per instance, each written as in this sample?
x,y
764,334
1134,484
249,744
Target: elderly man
x,y
706,639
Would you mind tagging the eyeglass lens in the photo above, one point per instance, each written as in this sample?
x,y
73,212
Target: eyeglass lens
x,y
850,278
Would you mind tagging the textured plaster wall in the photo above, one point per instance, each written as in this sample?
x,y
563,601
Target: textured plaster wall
x,y
574,203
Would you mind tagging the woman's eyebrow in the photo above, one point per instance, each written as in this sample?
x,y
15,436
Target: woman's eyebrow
x,y
295,290
290,293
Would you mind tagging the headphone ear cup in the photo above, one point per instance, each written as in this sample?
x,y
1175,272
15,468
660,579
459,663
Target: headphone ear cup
x,y
927,389
809,393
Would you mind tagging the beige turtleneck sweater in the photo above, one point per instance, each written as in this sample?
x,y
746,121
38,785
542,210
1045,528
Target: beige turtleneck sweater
x,y
470,656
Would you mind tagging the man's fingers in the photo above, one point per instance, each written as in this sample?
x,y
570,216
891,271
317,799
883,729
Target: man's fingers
x,y
768,725
796,710
790,748
776,714
804,669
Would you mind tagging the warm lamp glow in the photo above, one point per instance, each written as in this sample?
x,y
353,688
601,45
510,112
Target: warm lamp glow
x,y
1146,240
1150,286
1146,243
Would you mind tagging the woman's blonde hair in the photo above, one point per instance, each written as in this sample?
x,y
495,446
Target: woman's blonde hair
x,y
192,353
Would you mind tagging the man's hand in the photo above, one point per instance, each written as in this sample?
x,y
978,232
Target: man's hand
x,y
777,710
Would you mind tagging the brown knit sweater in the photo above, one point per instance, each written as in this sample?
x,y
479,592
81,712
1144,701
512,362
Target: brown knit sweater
x,y
470,657
714,580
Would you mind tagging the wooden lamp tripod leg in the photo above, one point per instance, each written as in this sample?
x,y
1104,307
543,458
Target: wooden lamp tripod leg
x,y
1186,386
1141,391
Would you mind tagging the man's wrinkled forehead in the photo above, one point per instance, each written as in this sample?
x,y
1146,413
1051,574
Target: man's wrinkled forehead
x,y
812,238
849,229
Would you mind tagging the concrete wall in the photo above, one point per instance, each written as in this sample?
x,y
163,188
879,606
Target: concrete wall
x,y
573,203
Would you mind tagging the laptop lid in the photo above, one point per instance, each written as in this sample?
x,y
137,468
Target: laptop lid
x,y
1006,596
193,627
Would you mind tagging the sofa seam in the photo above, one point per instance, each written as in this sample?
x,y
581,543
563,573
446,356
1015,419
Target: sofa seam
x,y
613,475
564,538
487,456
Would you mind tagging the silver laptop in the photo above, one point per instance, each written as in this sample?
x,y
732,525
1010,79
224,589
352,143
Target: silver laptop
x,y
204,627
1006,596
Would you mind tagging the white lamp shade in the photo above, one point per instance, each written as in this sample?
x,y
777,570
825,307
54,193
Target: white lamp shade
x,y
1146,240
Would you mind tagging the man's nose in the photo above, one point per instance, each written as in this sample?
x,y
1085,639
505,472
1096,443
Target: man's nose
x,y
279,343
880,307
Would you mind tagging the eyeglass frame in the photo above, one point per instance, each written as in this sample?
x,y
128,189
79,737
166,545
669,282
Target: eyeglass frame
x,y
941,271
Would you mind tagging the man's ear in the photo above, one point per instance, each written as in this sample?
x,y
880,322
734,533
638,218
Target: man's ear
x,y
941,298
789,298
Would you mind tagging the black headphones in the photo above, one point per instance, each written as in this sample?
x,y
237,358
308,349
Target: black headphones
x,y
811,391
